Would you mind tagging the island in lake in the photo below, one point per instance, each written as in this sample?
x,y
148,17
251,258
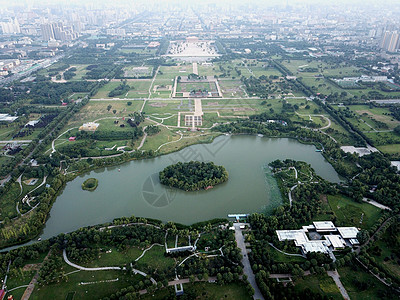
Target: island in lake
x,y
90,184
193,175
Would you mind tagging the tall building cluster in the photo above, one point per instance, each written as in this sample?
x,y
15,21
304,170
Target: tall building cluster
x,y
60,32
390,41
10,27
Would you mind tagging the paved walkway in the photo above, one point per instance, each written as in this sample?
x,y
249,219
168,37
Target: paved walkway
x,y
195,68
290,194
30,288
246,263
335,276
377,204
143,139
102,268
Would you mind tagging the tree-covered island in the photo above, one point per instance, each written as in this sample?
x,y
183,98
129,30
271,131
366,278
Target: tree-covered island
x,y
90,184
193,175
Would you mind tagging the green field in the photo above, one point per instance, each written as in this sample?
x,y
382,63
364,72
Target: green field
x,y
139,89
350,213
387,254
361,285
96,289
206,291
322,284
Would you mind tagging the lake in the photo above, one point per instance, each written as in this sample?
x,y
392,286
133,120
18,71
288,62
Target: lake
x,y
133,188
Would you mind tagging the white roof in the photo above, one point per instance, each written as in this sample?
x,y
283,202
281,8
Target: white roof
x,y
32,123
336,241
354,242
348,232
7,118
324,225
315,246
298,236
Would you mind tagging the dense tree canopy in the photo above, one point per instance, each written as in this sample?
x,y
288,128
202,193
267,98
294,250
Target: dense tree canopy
x,y
193,175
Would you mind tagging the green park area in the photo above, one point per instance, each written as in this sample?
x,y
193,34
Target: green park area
x,y
385,251
137,89
322,284
207,291
137,71
348,212
362,285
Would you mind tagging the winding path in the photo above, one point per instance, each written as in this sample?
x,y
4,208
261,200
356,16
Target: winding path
x,y
145,250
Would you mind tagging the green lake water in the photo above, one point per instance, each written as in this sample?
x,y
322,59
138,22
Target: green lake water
x,y
133,188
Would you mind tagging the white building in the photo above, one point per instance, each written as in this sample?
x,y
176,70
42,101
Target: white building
x,y
326,237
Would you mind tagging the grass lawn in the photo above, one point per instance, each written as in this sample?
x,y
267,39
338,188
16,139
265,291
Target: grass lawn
x,y
207,291
164,136
349,213
352,276
390,149
154,107
380,114
154,258
80,72
322,284
384,138
115,258
8,202
190,138
389,255
95,110
232,88
94,290
280,257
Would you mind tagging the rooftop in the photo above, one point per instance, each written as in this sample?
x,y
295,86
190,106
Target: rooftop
x,y
348,232
336,241
299,236
315,246
324,226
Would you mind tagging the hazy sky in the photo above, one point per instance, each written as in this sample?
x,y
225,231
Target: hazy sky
x,y
263,2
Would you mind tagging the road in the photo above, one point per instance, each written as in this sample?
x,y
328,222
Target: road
x,y
376,204
16,141
46,63
245,261
335,276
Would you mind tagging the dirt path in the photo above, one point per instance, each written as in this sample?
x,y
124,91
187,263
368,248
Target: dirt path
x,y
29,290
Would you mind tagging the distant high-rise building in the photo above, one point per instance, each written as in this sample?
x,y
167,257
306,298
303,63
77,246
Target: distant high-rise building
x,y
57,31
47,32
11,27
390,41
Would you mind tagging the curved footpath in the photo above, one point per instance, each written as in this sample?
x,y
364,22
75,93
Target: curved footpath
x,y
102,268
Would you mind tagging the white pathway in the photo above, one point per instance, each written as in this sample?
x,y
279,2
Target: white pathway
x,y
246,263
102,268
335,276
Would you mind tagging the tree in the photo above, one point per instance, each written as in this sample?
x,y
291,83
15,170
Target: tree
x,y
192,279
363,236
397,130
109,107
129,103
